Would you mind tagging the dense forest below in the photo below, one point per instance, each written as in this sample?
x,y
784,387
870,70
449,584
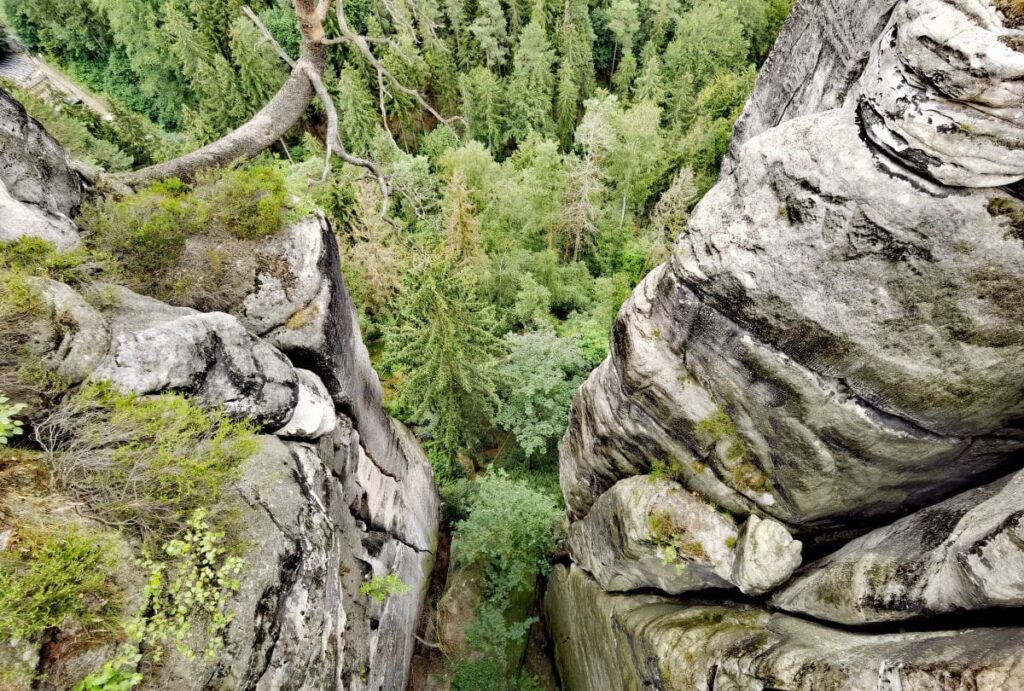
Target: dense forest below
x,y
564,145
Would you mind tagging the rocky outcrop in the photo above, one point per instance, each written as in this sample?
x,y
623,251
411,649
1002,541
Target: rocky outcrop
x,y
337,494
961,554
609,641
851,382
649,532
835,342
38,189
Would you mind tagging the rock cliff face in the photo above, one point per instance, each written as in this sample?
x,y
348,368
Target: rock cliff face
x,y
338,492
835,342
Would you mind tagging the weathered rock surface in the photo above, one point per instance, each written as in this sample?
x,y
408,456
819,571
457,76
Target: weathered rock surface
x,y
766,555
38,189
964,553
610,642
322,510
648,532
857,329
943,90
836,341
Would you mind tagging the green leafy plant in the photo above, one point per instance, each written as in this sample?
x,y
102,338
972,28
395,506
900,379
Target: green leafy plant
x,y
192,582
10,426
115,675
380,588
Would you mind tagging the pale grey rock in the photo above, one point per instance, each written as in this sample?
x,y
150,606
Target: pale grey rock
x,y
208,355
815,64
34,169
288,276
964,553
72,337
322,334
766,556
942,93
860,327
650,532
18,220
392,643
613,641
290,611
313,415
623,540
407,508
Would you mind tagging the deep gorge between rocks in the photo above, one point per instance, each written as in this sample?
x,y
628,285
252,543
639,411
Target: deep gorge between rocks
x,y
799,466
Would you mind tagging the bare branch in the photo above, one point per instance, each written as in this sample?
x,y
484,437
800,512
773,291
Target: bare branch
x,y
334,144
268,37
363,47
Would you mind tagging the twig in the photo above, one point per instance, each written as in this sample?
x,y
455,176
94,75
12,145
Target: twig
x,y
268,37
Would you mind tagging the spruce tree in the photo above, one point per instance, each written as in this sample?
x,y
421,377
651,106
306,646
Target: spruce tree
x,y
531,85
483,103
491,32
460,242
448,349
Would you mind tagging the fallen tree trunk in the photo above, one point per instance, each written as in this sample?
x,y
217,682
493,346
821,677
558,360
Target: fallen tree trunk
x,y
266,127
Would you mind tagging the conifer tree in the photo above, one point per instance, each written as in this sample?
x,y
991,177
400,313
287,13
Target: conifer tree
x,y
491,32
623,22
584,196
483,106
460,242
219,105
447,346
648,85
260,71
531,85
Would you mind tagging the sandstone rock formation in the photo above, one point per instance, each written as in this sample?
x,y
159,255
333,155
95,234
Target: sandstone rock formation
x,y
649,532
38,189
609,641
338,492
836,341
961,554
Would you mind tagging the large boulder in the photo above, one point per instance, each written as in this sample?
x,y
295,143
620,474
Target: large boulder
x,y
649,532
964,553
38,189
616,642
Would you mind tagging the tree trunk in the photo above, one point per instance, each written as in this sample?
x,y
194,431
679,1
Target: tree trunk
x,y
267,126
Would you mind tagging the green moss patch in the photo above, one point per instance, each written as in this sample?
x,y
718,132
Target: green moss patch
x,y
1013,11
1012,211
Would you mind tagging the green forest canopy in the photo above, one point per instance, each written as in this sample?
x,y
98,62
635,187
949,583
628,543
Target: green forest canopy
x,y
583,132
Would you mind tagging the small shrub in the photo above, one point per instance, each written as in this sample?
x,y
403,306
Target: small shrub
x,y
50,580
671,469
192,583
510,528
1012,211
144,232
144,462
9,425
115,675
380,588
675,541
36,257
717,426
247,202
1013,10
